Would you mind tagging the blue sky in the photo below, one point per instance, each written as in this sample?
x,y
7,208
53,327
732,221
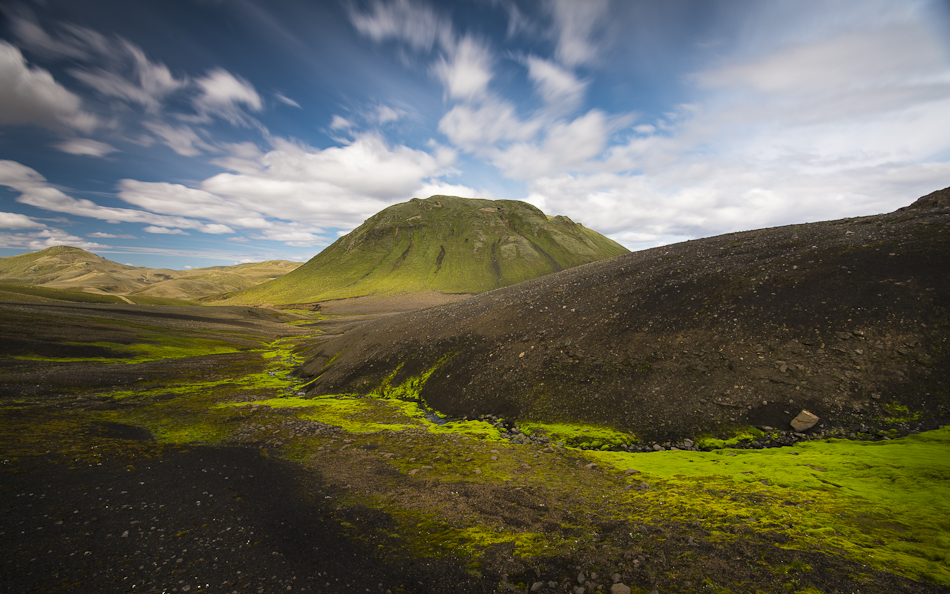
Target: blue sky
x,y
187,133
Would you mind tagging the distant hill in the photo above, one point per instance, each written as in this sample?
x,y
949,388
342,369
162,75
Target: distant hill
x,y
73,269
442,244
849,319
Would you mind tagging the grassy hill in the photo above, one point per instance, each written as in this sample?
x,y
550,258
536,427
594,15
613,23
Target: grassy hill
x,y
847,319
441,244
73,269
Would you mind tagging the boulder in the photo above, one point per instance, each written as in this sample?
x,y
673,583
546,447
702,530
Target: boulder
x,y
804,421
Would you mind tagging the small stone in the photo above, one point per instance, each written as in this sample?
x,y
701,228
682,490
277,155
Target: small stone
x,y
581,578
537,586
590,466
477,471
875,396
125,534
616,578
688,443
619,589
804,421
631,471
657,447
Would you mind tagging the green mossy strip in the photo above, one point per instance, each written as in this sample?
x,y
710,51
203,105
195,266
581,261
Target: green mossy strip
x,y
579,435
729,436
886,504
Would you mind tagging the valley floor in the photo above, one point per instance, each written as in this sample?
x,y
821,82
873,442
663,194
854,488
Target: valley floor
x,y
168,449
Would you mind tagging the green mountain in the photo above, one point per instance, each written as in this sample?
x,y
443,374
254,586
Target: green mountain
x,y
73,269
442,244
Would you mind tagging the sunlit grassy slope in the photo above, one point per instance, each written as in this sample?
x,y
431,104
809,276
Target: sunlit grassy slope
x,y
441,244
72,269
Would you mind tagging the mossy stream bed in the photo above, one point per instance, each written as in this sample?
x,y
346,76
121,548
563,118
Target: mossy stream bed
x,y
821,516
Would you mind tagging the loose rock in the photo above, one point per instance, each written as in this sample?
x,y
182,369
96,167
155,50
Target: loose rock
x,y
804,421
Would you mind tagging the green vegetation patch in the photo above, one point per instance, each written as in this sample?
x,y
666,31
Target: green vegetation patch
x,y
728,437
164,346
425,536
361,414
580,436
886,504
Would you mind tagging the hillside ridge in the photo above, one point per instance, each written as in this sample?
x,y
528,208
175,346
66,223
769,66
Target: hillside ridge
x,y
849,319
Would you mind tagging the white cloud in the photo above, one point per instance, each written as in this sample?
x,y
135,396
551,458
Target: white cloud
x,y
577,25
73,41
386,114
313,183
226,96
840,122
122,70
182,139
479,128
12,220
294,190
32,96
412,22
286,100
466,70
85,146
242,157
340,123
163,230
131,76
567,146
436,188
35,191
556,85
176,199
102,235
46,238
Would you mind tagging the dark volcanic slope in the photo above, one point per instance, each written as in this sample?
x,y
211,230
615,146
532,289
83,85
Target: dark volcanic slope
x,y
442,244
848,319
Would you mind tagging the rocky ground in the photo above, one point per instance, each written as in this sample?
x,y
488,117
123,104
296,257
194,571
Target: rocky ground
x,y
121,472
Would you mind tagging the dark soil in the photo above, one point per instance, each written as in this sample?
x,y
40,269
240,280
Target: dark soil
x,y
848,319
197,519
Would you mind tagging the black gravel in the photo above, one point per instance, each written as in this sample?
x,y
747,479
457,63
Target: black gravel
x,y
200,519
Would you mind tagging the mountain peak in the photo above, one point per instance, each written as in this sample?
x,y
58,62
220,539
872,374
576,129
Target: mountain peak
x,y
440,244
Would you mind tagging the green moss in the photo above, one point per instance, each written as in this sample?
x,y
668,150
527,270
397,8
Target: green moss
x,y
728,437
886,504
580,435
